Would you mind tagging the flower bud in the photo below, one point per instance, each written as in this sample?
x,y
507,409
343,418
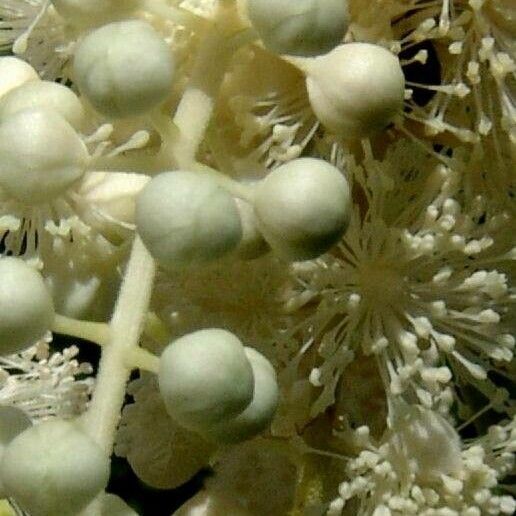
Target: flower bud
x,y
356,89
186,218
13,421
13,73
26,308
54,468
259,413
303,208
41,155
299,27
205,378
124,68
47,95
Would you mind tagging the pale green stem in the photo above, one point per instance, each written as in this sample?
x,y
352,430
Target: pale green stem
x,y
101,419
156,329
139,358
96,332
196,106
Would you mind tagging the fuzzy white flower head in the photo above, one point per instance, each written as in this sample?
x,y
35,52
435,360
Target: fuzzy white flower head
x,y
41,155
124,68
356,89
44,384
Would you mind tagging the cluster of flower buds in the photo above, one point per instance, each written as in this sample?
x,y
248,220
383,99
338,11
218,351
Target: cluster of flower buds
x,y
301,209
215,386
123,69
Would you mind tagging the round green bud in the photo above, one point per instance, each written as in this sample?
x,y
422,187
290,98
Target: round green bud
x,y
303,208
124,68
46,95
13,73
91,12
54,468
205,378
25,304
356,90
13,421
41,156
299,27
259,413
186,218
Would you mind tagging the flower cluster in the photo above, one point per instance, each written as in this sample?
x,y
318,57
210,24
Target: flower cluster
x,y
289,227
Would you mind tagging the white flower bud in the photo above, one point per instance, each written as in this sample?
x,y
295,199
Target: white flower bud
x,y
186,218
205,378
252,245
259,413
54,468
299,27
46,95
13,421
356,89
303,208
124,68
41,156
13,73
89,12
26,307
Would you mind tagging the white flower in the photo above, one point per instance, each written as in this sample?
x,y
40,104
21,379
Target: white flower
x,y
45,384
423,285
382,485
263,112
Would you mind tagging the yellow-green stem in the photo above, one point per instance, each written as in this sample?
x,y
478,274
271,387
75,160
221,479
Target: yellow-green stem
x,y
92,331
196,106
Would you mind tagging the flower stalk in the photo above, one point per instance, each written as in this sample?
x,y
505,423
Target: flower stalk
x,y
102,417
